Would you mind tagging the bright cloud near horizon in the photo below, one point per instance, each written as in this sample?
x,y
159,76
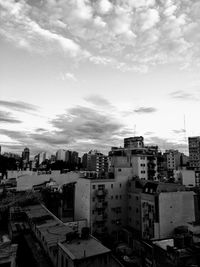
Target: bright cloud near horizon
x,y
84,74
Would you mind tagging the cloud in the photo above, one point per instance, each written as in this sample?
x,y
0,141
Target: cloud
x,y
164,144
182,95
18,105
6,117
68,76
80,128
98,100
129,35
181,131
145,110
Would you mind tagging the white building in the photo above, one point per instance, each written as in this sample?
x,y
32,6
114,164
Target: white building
x,y
61,155
103,202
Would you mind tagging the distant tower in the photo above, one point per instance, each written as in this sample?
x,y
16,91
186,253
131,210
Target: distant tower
x,y
26,155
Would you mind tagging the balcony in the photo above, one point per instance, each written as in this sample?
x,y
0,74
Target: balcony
x,y
101,192
101,205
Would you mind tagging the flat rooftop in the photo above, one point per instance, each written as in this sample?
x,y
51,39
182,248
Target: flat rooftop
x,y
84,248
164,243
51,228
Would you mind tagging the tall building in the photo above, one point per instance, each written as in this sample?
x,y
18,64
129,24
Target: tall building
x,y
26,155
142,160
194,152
95,161
61,155
156,209
103,202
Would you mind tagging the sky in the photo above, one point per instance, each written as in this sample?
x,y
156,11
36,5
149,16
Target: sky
x,y
84,74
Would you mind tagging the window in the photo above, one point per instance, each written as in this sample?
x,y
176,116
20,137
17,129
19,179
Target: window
x,y
101,186
142,157
66,263
94,186
120,185
142,171
111,185
93,212
93,199
120,196
119,170
111,197
116,196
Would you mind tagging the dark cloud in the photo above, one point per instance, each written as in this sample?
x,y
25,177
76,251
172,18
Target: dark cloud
x,y
6,117
18,105
98,100
87,123
80,128
144,110
182,95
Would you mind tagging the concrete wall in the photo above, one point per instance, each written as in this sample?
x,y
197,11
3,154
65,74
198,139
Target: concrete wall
x,y
186,177
175,209
83,200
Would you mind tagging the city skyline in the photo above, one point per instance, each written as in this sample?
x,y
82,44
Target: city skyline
x,y
84,75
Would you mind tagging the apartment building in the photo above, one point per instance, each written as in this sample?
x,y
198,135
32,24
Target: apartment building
x,y
61,155
194,152
95,161
103,202
64,245
159,208
83,252
142,160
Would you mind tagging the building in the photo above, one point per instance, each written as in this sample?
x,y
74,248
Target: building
x,y
156,209
83,252
8,252
95,161
142,160
194,152
177,251
103,202
185,177
64,245
61,155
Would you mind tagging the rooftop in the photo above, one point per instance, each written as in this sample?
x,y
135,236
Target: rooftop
x,y
164,243
51,228
84,248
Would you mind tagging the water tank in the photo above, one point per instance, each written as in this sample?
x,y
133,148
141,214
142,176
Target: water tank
x,y
179,241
